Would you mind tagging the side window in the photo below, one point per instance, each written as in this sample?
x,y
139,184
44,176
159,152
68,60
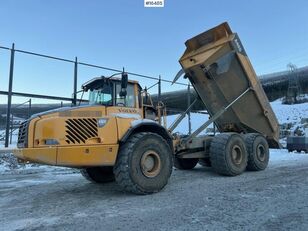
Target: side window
x,y
101,96
129,100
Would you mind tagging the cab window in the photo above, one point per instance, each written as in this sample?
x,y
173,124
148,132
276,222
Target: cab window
x,y
101,96
129,100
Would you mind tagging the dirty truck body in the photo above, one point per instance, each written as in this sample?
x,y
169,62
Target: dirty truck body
x,y
120,135
218,67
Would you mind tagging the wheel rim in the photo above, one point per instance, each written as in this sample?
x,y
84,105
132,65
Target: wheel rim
x,y
150,163
261,152
236,155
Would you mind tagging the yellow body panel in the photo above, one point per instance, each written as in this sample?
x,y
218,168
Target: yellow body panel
x,y
124,112
124,117
99,155
49,128
73,156
31,132
53,126
109,134
46,155
123,126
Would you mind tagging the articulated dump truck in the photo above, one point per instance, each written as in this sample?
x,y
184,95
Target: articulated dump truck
x,y
120,136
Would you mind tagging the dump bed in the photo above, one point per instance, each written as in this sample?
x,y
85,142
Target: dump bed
x,y
217,66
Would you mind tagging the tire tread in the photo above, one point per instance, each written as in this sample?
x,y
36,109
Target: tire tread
x,y
120,170
217,154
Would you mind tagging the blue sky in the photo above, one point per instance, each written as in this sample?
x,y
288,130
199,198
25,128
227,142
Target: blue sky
x,y
145,40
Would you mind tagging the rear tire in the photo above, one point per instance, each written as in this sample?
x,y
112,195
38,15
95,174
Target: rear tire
x,y
144,163
258,151
228,154
185,164
98,174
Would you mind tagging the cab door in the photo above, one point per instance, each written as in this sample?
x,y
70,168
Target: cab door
x,y
127,106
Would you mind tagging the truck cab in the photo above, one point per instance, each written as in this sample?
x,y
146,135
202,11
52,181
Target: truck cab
x,y
111,92
120,95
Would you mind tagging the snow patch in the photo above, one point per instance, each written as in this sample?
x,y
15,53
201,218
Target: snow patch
x,y
281,157
290,113
137,122
126,115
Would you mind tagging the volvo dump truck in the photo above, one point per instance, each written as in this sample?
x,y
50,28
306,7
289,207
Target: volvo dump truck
x,y
120,135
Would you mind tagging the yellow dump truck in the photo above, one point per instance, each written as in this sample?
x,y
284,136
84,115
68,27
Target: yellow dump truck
x,y
119,135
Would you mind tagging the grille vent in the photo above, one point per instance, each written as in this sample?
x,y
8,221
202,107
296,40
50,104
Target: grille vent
x,y
22,141
79,130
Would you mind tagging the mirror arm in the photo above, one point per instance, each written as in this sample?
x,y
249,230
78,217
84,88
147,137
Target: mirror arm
x,y
81,97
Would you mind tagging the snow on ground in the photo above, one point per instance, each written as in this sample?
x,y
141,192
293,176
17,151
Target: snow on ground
x,y
281,157
290,113
10,165
5,169
291,117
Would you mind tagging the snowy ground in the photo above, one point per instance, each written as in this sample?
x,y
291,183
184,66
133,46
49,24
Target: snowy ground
x,y
10,165
290,113
198,199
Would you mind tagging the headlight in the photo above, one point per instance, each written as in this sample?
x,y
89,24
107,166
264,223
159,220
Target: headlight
x,y
101,122
51,142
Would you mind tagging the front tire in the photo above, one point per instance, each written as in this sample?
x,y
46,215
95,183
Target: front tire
x,y
144,163
228,154
98,174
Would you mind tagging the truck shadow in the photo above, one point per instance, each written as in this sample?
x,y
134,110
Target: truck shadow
x,y
112,190
205,171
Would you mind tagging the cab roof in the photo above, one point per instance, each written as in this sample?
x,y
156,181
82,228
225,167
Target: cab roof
x,y
98,82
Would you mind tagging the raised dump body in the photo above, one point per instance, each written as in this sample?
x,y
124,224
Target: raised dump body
x,y
218,68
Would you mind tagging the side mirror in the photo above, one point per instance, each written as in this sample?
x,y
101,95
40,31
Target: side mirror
x,y
124,80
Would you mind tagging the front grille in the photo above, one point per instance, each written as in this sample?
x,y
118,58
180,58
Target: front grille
x,y
22,141
79,130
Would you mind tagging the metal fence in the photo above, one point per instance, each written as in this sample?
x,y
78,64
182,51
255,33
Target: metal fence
x,y
15,122
75,64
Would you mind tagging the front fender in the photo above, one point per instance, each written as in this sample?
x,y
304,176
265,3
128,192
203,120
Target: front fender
x,y
145,125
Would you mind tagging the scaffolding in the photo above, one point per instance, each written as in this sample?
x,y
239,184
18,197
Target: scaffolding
x,y
294,89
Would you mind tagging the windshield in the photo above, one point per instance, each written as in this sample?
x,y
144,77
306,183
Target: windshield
x,y
109,95
101,96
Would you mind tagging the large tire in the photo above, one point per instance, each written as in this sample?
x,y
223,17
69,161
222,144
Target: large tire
x,y
185,164
98,174
258,151
228,154
144,163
